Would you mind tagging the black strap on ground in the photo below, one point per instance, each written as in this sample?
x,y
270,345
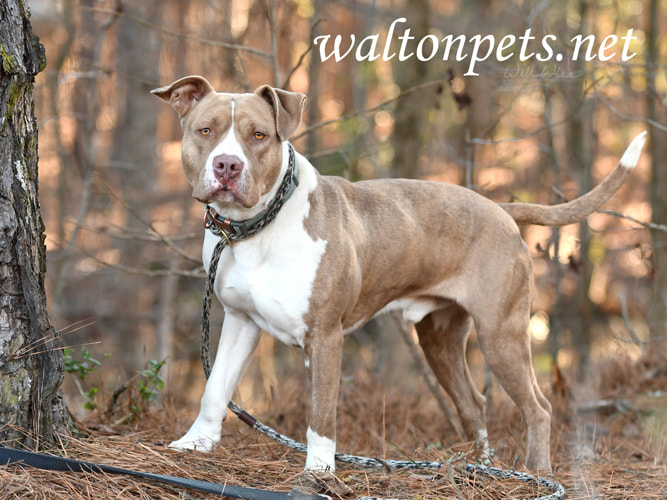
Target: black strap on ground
x,y
10,456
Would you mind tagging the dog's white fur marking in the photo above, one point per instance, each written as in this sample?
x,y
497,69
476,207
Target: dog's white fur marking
x,y
237,344
483,441
229,145
321,452
634,151
262,283
270,278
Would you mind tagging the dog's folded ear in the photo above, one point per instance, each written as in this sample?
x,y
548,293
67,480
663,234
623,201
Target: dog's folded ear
x,y
184,94
287,107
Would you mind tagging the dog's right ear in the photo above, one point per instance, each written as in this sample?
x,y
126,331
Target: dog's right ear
x,y
184,94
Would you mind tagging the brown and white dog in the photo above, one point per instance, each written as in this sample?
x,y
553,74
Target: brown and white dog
x,y
339,253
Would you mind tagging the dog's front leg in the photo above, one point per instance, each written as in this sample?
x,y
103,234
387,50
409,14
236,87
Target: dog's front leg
x,y
323,355
237,343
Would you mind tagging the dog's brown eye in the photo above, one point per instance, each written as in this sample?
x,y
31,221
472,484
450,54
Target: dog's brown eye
x,y
259,136
205,131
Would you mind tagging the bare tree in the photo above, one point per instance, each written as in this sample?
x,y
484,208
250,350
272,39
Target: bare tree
x,y
31,362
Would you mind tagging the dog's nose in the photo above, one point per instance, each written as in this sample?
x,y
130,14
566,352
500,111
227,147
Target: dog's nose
x,y
226,167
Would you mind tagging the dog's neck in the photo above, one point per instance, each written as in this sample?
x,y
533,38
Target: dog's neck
x,y
236,230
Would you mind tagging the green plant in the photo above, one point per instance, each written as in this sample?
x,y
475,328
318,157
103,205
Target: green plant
x,y
148,386
82,368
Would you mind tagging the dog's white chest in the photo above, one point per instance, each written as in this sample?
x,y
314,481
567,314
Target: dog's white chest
x,y
270,276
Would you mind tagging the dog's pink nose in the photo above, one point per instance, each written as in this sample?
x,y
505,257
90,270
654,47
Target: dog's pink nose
x,y
226,167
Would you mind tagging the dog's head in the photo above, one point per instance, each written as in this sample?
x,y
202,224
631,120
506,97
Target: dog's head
x,y
232,143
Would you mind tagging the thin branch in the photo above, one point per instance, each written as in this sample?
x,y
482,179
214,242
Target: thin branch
x,y
546,126
184,36
164,239
628,325
90,161
368,111
194,273
646,225
124,234
303,55
271,15
648,121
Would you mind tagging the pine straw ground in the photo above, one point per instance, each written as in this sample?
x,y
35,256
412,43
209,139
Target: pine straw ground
x,y
614,450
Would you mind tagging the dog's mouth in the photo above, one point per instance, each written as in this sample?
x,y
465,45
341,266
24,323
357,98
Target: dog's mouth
x,y
227,194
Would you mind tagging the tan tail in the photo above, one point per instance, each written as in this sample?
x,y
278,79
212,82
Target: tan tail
x,y
579,208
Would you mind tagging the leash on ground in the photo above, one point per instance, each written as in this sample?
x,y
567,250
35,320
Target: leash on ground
x,y
557,489
10,456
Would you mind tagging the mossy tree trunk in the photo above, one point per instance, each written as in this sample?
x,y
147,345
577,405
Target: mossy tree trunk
x,y
31,362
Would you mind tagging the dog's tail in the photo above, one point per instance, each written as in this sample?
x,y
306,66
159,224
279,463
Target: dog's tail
x,y
579,208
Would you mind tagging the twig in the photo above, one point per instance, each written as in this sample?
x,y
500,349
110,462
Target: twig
x,y
125,234
90,161
194,273
646,225
635,338
303,55
184,36
547,125
271,16
373,109
648,121
149,224
450,471
628,325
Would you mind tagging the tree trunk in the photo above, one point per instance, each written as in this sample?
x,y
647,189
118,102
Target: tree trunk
x,y
31,362
657,317
410,115
133,155
582,142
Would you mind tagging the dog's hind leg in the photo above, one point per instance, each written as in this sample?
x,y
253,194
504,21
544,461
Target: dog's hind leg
x,y
509,358
502,333
442,336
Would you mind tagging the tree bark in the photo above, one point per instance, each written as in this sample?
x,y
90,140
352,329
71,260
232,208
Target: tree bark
x,y
582,139
133,155
411,111
657,315
31,360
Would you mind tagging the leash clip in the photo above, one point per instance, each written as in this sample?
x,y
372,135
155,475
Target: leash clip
x,y
218,227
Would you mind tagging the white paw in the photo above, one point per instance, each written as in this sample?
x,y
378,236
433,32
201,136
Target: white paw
x,y
202,436
201,443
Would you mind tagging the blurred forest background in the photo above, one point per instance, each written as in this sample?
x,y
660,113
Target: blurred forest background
x,y
124,235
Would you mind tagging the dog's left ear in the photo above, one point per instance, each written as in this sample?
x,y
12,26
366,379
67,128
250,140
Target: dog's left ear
x,y
287,107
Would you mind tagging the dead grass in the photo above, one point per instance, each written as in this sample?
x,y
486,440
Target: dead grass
x,y
610,453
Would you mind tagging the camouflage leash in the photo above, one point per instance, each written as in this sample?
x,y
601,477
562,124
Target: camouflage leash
x,y
231,231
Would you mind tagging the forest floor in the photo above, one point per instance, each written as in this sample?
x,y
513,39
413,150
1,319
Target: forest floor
x,y
612,447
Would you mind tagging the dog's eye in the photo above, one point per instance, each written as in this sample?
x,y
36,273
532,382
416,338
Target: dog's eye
x,y
205,131
259,136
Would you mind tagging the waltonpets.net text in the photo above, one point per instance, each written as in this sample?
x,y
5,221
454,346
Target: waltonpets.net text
x,y
477,48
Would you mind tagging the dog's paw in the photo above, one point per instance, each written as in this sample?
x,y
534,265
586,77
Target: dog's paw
x,y
202,436
197,438
202,443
